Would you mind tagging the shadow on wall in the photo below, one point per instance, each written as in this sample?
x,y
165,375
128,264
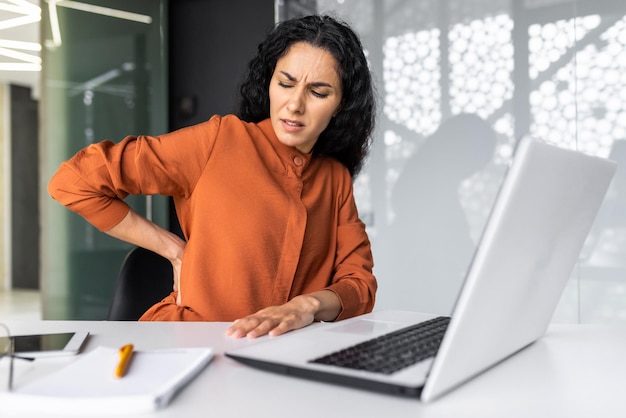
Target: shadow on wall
x,y
428,247
604,247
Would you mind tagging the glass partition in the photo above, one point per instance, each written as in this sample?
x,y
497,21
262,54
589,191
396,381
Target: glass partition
x,y
458,82
104,77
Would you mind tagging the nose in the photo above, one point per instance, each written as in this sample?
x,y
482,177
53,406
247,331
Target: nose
x,y
296,101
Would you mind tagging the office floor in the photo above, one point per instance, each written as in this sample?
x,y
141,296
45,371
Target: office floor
x,y
20,304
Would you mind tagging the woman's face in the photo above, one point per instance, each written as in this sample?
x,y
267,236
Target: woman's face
x,y
305,93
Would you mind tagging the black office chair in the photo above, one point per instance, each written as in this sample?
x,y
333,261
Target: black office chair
x,y
145,278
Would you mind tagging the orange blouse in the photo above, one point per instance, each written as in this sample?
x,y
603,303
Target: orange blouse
x,y
263,221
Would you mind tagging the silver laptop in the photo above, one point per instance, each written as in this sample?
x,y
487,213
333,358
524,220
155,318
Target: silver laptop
x,y
538,224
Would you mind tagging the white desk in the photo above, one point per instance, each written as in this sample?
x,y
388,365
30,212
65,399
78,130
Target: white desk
x,y
574,371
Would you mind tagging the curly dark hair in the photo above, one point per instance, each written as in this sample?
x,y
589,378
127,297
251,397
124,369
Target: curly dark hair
x,y
348,135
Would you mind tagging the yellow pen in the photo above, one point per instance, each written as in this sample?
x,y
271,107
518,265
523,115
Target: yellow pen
x,y
126,353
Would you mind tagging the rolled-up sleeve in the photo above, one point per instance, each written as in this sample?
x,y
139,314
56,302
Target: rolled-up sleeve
x,y
95,181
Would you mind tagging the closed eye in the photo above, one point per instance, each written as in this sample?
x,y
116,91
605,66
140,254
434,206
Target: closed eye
x,y
318,94
315,93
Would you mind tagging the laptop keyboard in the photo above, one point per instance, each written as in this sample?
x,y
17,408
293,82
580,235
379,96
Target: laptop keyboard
x,y
394,351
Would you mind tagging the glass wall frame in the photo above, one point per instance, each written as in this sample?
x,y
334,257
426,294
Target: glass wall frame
x,y
104,77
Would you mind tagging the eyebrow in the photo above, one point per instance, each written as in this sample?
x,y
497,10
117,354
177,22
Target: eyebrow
x,y
314,84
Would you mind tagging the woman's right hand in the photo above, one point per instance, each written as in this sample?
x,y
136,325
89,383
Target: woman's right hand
x,y
139,231
175,247
176,265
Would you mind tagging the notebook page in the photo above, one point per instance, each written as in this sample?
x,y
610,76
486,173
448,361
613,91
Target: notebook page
x,y
153,377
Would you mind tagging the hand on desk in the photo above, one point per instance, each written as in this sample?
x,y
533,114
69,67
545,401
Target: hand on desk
x,y
297,313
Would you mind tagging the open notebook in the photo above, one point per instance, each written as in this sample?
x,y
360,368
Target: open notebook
x,y
88,383
543,213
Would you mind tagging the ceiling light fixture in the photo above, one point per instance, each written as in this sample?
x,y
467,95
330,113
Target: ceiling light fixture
x,y
89,8
28,13
105,11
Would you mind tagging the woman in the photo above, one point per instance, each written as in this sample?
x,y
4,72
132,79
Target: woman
x,y
265,200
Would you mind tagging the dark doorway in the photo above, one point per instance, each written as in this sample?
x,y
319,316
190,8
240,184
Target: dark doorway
x,y
24,189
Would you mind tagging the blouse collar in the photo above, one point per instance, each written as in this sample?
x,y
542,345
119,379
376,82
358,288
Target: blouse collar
x,y
292,157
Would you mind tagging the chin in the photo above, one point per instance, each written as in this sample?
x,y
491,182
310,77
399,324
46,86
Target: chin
x,y
290,141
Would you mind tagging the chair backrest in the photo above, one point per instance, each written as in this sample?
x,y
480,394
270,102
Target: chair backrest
x,y
145,278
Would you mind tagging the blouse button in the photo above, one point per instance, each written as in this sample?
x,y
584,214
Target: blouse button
x,y
297,160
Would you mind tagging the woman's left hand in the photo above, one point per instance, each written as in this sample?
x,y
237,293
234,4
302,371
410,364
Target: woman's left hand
x,y
297,313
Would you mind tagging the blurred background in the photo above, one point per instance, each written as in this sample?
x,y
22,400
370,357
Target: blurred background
x,y
459,82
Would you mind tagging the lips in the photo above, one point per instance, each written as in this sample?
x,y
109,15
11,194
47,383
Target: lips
x,y
292,125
